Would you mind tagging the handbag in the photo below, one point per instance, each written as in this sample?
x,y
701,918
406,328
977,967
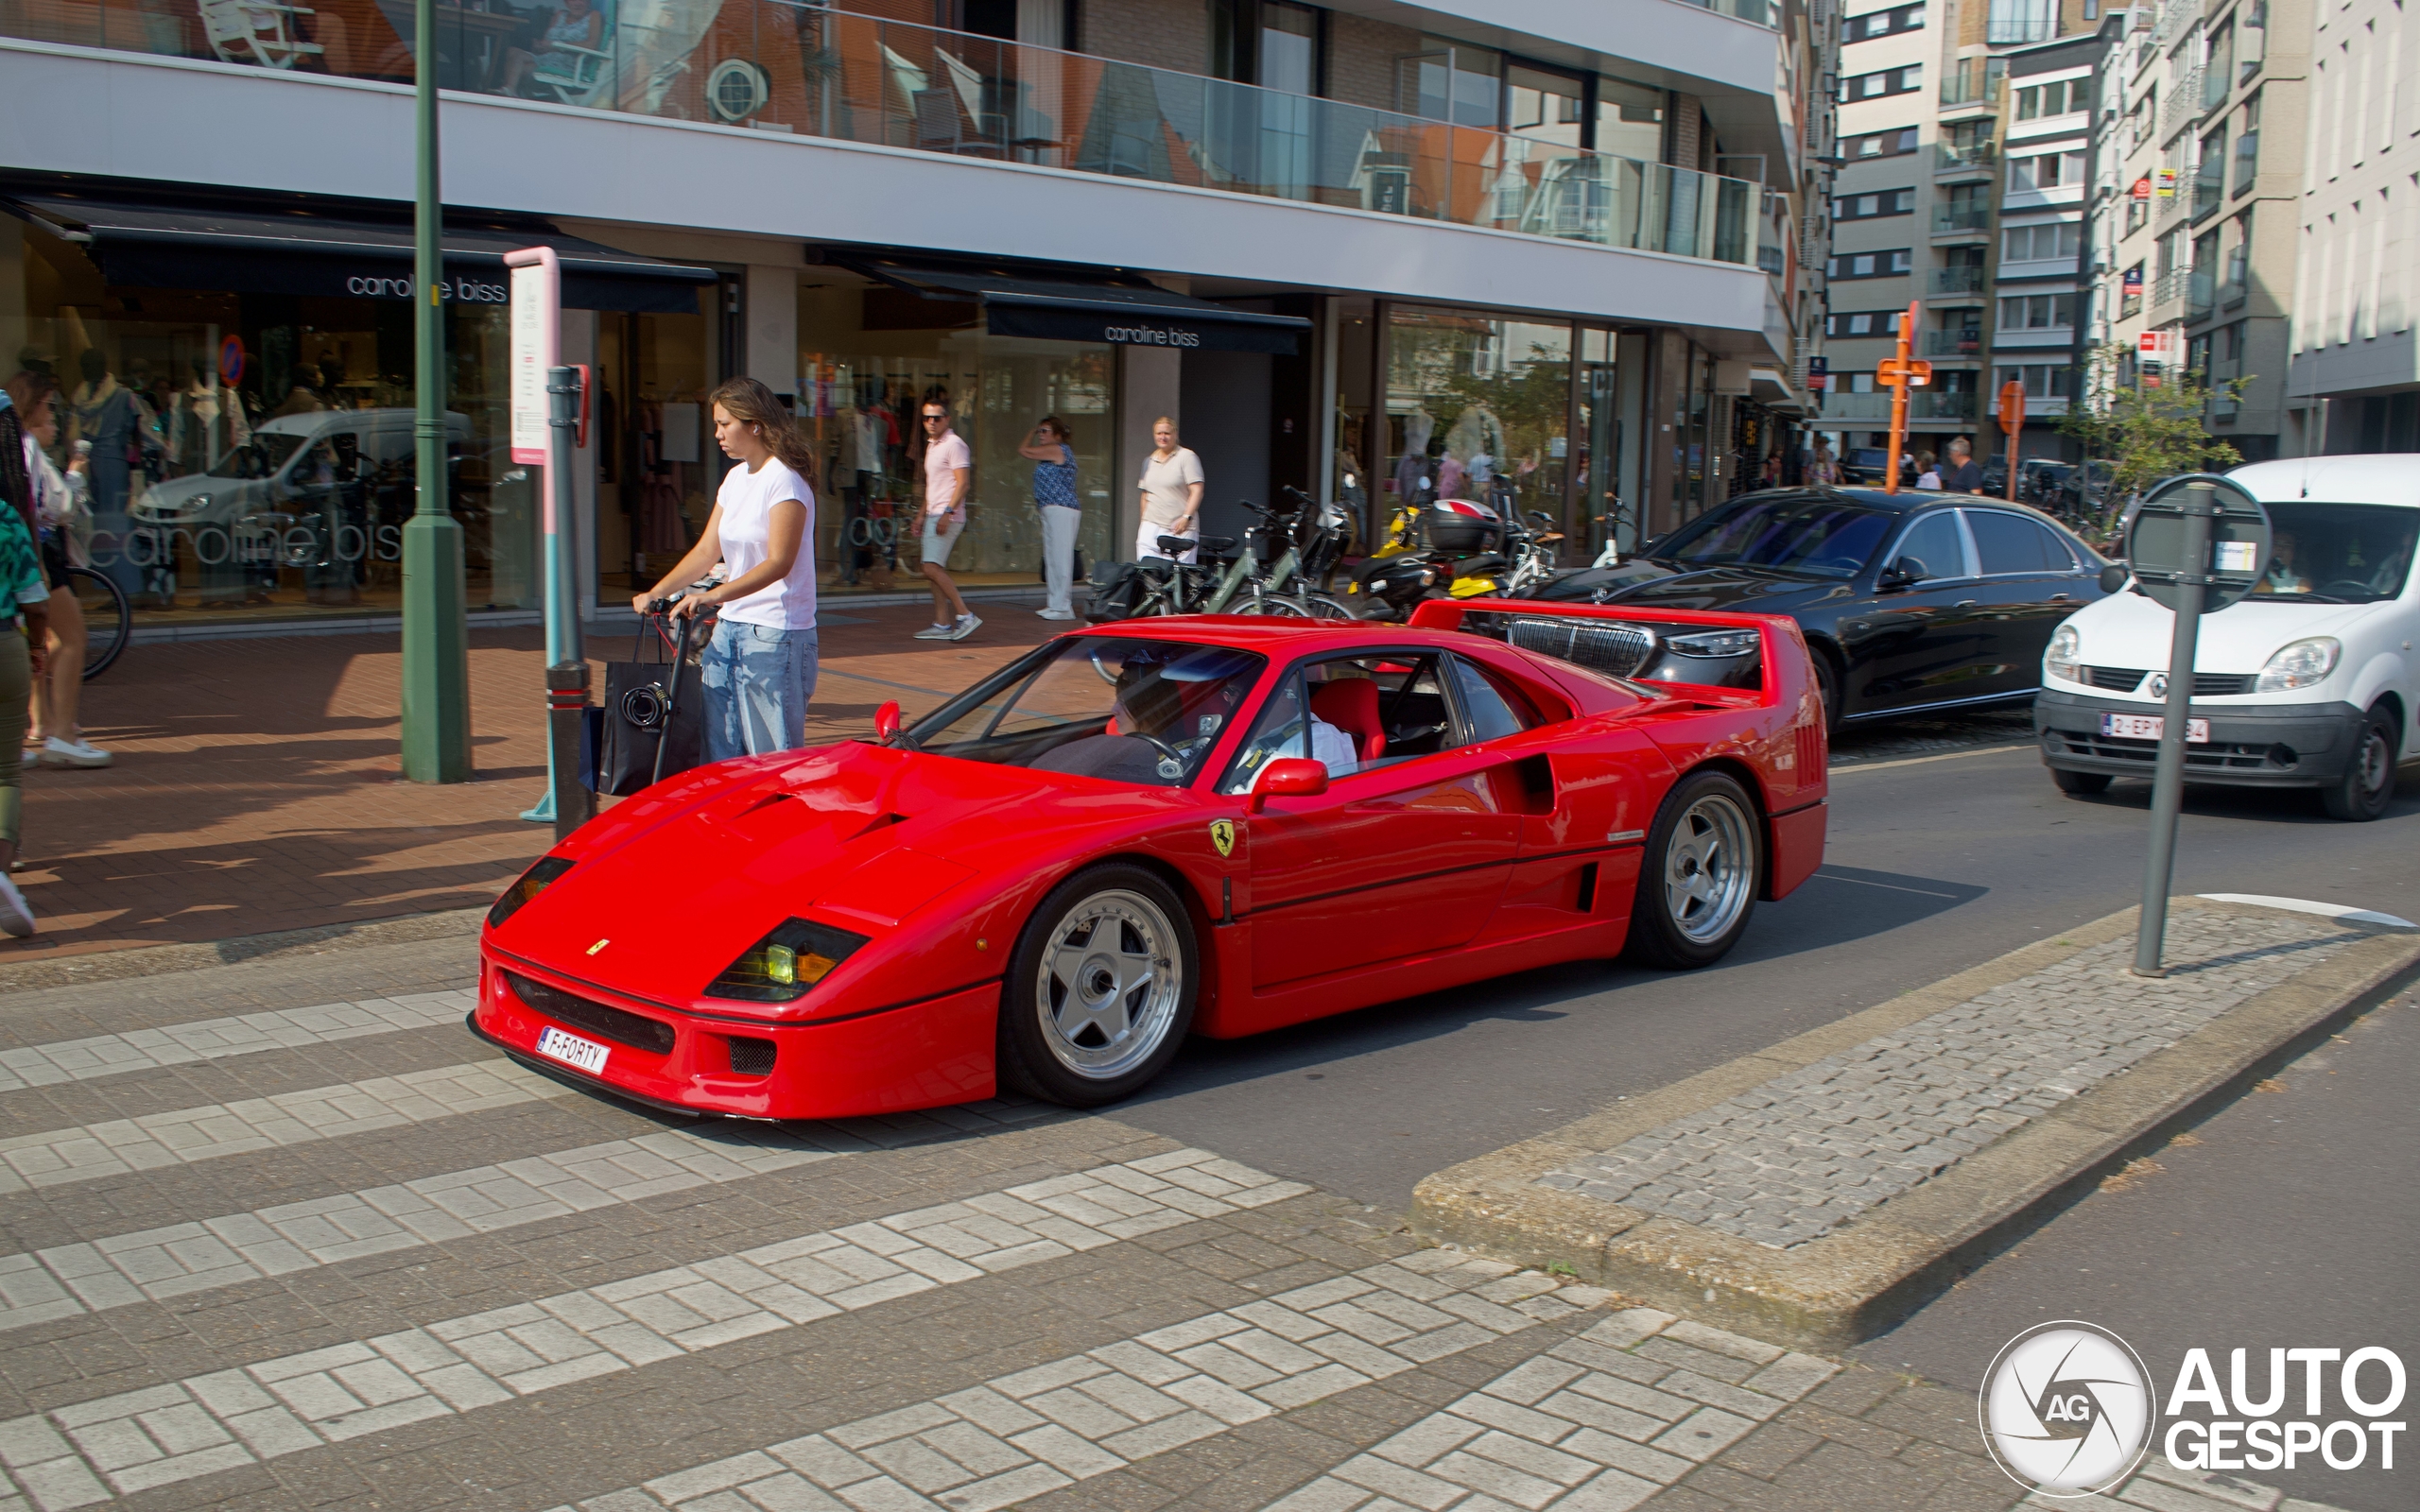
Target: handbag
x,y
653,722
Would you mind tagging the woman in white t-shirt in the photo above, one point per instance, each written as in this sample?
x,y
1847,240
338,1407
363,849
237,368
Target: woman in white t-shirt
x,y
759,668
1172,488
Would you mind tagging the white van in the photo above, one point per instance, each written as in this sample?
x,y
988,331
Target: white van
x,y
2308,681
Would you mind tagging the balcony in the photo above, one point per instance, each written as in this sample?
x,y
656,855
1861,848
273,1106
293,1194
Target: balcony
x,y
2234,291
1923,404
1946,218
1965,342
778,66
1958,281
2184,99
1838,405
2171,285
2215,84
1951,157
2199,287
2129,305
2209,188
2247,161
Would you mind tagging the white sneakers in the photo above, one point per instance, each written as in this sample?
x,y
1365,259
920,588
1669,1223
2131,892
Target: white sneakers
x,y
76,752
938,632
967,625
1056,614
16,916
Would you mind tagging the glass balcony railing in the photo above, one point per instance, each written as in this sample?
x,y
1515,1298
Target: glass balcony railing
x,y
2209,187
2200,289
778,65
1960,218
1958,281
1923,404
1855,406
1953,156
1964,342
2247,161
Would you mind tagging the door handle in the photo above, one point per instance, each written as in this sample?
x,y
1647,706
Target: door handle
x,y
2060,598
1966,603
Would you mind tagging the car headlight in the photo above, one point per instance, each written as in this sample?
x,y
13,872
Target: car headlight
x,y
1714,643
781,966
532,882
2066,654
2300,664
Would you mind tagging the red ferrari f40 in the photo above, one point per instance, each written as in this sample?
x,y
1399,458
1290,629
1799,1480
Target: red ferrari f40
x,y
1153,828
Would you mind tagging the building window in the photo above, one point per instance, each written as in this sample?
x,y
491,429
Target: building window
x,y
1630,120
2058,240
1865,323
1882,24
1869,265
1880,144
2016,23
1873,206
1888,81
1290,48
2047,171
2057,97
2041,380
2038,312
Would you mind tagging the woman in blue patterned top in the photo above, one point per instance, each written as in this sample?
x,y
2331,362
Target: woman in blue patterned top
x,y
1054,495
25,632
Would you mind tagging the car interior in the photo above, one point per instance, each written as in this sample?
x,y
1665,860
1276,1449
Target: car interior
x,y
1391,709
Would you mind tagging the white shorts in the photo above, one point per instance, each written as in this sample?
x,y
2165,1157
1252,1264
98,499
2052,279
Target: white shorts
x,y
1147,542
940,534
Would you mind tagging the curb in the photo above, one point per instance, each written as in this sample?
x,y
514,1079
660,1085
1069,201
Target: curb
x,y
161,960
1859,1280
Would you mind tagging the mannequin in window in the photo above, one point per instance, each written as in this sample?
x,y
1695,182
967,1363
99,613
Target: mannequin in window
x,y
113,420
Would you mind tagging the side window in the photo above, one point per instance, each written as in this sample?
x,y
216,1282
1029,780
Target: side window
x,y
1937,546
1277,734
2011,543
1489,712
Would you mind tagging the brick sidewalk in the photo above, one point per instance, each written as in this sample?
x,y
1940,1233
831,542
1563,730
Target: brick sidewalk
x,y
256,787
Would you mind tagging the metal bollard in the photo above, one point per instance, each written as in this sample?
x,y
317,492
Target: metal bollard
x,y
567,684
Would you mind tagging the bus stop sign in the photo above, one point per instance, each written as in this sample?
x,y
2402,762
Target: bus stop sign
x,y
2158,547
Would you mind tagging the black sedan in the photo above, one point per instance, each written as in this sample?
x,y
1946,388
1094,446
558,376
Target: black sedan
x,y
1913,601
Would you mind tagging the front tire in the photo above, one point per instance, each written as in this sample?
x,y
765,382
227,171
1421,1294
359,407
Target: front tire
x,y
2083,784
1101,989
1827,688
1697,888
2368,783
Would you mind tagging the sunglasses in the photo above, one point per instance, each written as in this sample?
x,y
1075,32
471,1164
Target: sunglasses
x,y
931,418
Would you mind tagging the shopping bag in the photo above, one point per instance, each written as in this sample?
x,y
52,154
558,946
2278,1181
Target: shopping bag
x,y
653,724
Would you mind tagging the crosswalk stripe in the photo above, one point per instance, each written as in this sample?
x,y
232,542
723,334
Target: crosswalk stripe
x,y
89,1452
155,1264
186,1135
1032,1431
182,1044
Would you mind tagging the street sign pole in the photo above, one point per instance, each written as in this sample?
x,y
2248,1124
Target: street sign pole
x,y
548,415
437,669
1899,373
2168,775
2011,426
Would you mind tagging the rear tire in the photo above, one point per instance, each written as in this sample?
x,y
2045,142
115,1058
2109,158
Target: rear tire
x,y
2083,784
1101,991
1697,887
2368,783
1827,687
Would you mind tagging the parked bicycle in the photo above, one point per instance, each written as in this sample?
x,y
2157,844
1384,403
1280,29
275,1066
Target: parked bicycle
x,y
109,619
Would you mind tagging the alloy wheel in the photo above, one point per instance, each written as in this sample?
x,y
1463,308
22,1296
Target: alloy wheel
x,y
1708,867
1109,983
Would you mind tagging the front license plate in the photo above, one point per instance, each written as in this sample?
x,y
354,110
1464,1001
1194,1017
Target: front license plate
x,y
2150,727
572,1050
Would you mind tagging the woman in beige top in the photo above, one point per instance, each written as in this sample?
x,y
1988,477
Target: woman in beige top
x,y
1172,486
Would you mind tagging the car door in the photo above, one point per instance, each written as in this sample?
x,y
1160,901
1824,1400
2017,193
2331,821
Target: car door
x,y
1401,857
2028,580
1917,643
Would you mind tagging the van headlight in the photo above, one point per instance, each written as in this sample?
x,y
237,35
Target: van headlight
x,y
2065,658
2300,664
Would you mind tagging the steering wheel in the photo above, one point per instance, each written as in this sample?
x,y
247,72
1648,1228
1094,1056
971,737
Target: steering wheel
x,y
2347,587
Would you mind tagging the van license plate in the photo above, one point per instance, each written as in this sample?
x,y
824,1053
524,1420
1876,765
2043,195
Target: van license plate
x,y
2149,727
572,1050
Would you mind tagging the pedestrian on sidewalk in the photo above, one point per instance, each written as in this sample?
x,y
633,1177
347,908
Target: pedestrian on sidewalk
x,y
759,668
1062,511
1964,475
62,523
23,595
1928,472
949,477
1172,485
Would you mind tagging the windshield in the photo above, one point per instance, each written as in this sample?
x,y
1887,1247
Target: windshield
x,y
1117,708
1785,532
2337,552
259,457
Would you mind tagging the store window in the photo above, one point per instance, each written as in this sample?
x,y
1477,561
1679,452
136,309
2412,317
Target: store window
x,y
1609,483
253,454
868,357
657,465
1478,408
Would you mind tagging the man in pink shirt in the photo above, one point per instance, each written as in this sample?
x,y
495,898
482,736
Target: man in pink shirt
x,y
950,476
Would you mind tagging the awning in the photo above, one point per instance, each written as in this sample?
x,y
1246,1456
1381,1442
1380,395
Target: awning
x,y
268,251
1119,313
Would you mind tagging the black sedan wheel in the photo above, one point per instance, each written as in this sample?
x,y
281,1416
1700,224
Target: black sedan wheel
x,y
1697,888
1100,990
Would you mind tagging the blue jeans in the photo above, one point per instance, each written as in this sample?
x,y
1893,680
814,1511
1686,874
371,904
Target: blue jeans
x,y
757,680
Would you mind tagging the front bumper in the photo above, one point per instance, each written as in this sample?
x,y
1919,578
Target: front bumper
x,y
929,1054
2290,745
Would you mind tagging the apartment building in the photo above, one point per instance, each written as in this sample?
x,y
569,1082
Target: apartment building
x,y
2038,294
2353,383
1552,257
2201,159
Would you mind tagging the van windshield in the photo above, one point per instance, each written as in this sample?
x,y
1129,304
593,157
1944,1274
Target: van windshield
x,y
259,457
2337,552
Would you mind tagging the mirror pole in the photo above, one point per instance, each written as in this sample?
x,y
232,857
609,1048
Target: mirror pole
x,y
2167,778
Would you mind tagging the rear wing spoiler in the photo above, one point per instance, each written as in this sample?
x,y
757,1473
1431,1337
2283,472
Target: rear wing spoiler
x,y
1639,643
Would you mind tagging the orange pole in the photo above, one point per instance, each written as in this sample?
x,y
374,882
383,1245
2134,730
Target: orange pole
x,y
1899,407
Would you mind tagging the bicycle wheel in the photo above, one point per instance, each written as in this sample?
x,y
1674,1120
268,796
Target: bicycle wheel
x,y
109,620
1270,605
1322,607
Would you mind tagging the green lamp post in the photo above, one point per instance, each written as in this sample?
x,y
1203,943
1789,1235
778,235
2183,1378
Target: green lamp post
x,y
437,669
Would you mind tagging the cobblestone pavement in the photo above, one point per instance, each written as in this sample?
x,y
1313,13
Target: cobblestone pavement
x,y
551,1301
1787,1161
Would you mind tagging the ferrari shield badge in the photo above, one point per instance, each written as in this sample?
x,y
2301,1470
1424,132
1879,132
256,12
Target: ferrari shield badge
x,y
1222,835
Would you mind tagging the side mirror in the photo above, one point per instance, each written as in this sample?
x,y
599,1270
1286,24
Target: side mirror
x,y
886,721
2113,577
1292,777
1905,572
